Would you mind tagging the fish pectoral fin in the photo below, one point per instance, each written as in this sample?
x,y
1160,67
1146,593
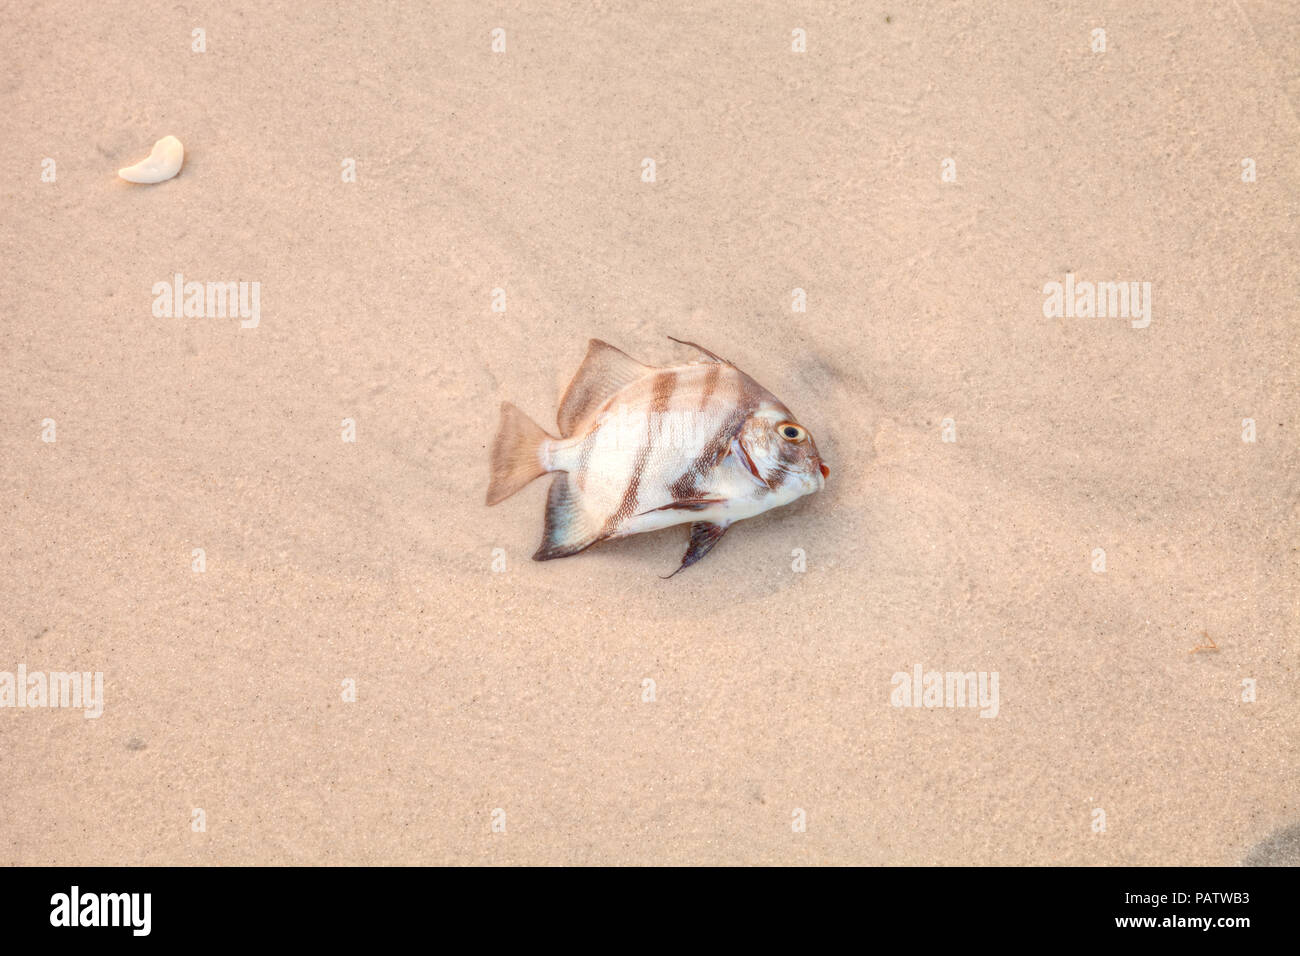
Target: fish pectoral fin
x,y
686,504
704,535
604,372
569,527
738,450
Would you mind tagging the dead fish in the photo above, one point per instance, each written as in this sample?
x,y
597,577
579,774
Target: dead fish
x,y
643,448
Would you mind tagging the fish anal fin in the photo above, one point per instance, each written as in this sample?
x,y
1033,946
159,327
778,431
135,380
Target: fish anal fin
x,y
569,528
704,535
604,371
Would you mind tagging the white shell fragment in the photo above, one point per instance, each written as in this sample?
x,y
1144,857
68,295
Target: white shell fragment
x,y
163,163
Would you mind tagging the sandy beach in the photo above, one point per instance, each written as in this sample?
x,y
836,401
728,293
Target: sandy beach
x,y
317,650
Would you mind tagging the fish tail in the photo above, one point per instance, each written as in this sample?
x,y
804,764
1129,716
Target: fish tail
x,y
517,454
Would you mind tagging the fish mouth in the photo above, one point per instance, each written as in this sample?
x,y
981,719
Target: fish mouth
x,y
826,472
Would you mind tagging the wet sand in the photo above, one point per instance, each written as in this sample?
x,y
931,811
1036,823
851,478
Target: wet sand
x,y
522,690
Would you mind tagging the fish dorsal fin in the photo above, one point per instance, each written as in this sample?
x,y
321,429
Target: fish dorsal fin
x,y
712,357
603,372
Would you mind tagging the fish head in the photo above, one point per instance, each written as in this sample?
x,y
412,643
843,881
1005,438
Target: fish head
x,y
782,453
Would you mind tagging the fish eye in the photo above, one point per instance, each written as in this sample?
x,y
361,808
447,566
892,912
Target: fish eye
x,y
791,432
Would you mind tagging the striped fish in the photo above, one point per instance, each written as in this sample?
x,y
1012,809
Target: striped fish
x,y
644,448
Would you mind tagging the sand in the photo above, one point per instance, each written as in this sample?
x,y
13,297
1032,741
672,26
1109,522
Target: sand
x,y
501,716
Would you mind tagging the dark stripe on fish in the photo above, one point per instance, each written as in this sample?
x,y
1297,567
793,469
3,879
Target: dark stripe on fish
x,y
685,486
710,383
661,391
